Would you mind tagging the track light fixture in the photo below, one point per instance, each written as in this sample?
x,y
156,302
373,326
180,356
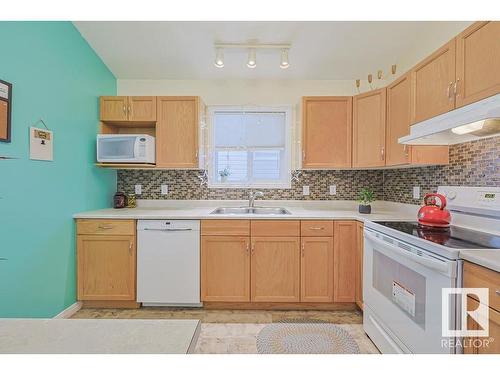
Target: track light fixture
x,y
252,58
252,53
219,58
284,59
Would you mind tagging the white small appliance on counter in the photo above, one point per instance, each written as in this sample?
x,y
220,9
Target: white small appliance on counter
x,y
407,265
125,148
168,262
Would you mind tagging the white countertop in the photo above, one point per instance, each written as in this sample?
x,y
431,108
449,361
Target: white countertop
x,y
98,336
486,258
311,210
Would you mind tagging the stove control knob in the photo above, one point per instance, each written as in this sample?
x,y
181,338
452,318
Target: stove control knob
x,y
450,194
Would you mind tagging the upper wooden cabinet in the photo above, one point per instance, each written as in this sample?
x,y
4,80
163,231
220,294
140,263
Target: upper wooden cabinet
x,y
432,84
326,131
478,62
177,131
369,129
398,125
128,108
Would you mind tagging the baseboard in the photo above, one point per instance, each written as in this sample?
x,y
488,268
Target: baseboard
x,y
336,306
69,311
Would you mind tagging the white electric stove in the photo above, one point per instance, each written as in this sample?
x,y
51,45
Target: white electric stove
x,y
406,267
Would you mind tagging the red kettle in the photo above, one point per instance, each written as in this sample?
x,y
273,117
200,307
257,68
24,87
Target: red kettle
x,y
433,214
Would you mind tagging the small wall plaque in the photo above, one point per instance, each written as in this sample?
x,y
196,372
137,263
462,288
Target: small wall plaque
x,y
41,144
5,110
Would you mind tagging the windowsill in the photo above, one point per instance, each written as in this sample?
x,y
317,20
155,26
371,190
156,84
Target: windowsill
x,y
223,185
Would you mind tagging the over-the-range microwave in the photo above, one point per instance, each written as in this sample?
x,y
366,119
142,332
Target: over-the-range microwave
x,y
125,148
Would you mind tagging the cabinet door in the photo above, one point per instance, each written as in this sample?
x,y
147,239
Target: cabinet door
x,y
316,269
326,132
398,120
106,267
177,132
113,108
225,268
344,261
359,264
369,129
432,84
142,108
275,269
475,345
398,125
478,61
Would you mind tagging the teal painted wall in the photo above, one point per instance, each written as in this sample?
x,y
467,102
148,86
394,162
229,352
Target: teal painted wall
x,y
58,77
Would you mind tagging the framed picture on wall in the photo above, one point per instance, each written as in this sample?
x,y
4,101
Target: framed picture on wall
x,y
5,110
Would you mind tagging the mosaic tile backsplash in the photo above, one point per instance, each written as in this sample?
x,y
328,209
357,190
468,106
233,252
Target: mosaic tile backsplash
x,y
474,163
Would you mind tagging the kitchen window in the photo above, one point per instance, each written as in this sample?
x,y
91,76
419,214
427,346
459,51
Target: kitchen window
x,y
249,147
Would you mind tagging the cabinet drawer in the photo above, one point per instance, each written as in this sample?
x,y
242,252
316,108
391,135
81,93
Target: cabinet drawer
x,y
316,228
225,227
91,226
276,228
480,277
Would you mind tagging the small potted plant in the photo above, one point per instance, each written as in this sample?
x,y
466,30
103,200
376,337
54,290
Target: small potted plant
x,y
365,198
224,174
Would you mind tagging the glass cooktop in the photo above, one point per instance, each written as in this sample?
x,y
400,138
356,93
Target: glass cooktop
x,y
454,237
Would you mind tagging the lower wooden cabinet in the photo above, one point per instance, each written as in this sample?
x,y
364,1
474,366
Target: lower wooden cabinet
x,y
316,269
106,267
344,261
275,269
359,264
225,268
483,345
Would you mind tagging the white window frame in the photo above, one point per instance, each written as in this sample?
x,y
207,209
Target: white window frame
x,y
282,184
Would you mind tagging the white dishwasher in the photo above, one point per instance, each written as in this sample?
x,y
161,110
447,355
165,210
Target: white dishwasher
x,y
168,262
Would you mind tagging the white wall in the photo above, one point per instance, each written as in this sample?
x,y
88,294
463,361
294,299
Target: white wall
x,y
242,92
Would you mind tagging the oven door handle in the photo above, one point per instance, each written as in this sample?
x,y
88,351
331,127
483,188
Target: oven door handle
x,y
389,249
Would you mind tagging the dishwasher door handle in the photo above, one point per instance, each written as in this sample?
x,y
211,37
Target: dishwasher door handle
x,y
170,229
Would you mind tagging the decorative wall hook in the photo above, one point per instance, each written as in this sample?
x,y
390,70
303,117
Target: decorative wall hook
x,y
203,177
370,79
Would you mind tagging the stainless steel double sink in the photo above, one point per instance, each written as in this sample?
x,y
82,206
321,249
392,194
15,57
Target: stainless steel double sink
x,y
250,211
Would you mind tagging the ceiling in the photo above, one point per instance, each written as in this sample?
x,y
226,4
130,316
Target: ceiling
x,y
320,50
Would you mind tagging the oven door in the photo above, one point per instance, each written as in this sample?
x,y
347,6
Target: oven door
x,y
402,289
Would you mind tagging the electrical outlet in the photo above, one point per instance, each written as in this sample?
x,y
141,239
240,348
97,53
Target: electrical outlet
x,y
333,189
305,190
164,189
138,189
416,192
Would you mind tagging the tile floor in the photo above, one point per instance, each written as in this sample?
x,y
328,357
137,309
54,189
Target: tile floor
x,y
235,331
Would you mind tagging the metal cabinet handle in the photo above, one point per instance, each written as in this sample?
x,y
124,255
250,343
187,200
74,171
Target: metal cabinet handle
x,y
455,88
130,247
105,227
247,248
405,149
496,291
170,229
303,155
124,109
382,153
302,250
253,247
448,90
316,228
129,109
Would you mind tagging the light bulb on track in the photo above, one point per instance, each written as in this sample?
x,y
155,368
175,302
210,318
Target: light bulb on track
x,y
284,59
252,58
219,58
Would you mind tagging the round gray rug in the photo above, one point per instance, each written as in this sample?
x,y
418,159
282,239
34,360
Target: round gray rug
x,y
305,338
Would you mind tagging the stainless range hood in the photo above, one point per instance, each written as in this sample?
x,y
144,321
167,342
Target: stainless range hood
x,y
474,121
